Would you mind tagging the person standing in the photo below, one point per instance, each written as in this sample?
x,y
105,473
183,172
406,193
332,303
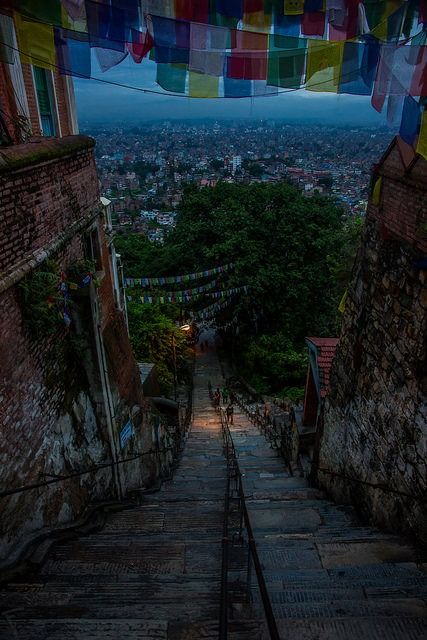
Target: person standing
x,y
230,413
225,395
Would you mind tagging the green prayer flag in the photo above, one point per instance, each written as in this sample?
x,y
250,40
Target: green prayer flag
x,y
172,77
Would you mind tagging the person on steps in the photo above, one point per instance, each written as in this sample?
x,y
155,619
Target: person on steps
x,y
230,413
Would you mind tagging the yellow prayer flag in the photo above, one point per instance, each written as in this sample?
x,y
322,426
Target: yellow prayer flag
x,y
257,21
422,138
293,7
203,86
36,42
376,192
324,62
341,306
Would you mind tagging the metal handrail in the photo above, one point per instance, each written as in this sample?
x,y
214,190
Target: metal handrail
x,y
234,473
176,448
271,432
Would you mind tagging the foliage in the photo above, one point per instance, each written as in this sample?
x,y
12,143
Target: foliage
x,y
295,253
156,338
38,293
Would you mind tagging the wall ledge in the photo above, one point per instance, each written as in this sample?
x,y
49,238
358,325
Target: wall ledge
x,y
40,150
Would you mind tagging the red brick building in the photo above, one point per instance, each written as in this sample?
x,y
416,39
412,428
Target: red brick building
x,y
321,353
71,397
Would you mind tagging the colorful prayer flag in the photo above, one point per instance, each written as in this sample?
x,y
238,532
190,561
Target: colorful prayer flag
x,y
293,7
36,42
203,86
172,77
422,138
324,61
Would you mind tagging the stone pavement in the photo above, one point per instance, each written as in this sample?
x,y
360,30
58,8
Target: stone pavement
x,y
153,572
328,576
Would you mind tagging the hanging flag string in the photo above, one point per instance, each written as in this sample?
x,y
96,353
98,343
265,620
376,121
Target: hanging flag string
x,y
166,299
163,280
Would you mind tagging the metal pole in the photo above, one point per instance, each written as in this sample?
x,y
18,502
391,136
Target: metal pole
x,y
174,366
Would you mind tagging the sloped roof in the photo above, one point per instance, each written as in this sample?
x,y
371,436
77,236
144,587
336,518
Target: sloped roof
x,y
325,352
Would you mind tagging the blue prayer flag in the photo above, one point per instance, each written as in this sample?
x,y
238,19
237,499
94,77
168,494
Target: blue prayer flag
x,y
410,123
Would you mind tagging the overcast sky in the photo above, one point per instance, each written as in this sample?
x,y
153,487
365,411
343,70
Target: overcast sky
x,y
99,102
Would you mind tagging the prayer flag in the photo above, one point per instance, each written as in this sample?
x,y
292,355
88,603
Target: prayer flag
x,y
410,123
419,79
376,192
108,58
237,88
139,45
36,42
172,77
75,9
293,7
163,8
352,79
344,26
383,76
341,306
7,53
422,138
194,10
247,66
47,11
286,61
230,8
73,52
313,23
203,86
324,62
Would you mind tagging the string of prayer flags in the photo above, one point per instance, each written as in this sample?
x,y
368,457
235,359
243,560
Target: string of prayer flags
x,y
174,297
237,48
188,277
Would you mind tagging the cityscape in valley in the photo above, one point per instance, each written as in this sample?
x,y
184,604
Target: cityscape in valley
x,y
143,169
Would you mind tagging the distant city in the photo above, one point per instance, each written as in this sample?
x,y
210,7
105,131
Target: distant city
x,y
143,170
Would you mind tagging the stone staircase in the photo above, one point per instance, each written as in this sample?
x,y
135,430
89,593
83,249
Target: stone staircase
x,y
153,571
328,576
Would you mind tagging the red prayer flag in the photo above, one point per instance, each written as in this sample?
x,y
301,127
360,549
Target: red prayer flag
x,y
313,23
141,44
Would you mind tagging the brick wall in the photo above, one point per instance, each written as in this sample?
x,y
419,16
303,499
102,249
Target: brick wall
x,y
373,450
54,412
43,198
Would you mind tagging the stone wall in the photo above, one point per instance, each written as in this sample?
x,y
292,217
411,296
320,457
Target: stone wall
x,y
60,411
373,450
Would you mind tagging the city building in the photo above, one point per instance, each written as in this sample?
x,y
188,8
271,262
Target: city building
x,y
71,397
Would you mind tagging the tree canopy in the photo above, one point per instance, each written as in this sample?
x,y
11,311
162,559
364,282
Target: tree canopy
x,y
295,254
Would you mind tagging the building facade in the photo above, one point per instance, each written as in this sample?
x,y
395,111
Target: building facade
x,y
373,450
72,406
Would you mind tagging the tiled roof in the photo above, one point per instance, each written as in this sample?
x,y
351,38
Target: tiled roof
x,y
326,348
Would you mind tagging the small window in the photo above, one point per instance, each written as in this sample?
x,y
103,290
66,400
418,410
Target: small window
x,y
92,249
45,101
